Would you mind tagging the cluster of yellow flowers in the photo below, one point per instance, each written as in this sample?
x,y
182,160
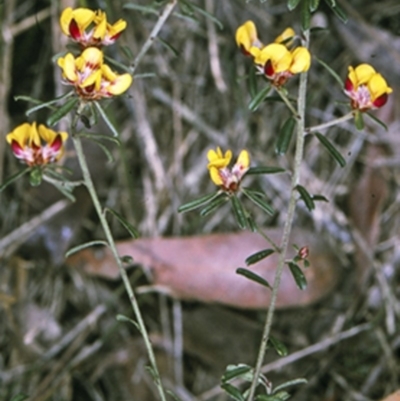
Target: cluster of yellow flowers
x,y
89,75
92,78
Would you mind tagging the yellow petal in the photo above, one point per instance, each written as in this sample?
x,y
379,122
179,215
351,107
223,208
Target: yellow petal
x,y
93,57
279,55
246,36
301,60
244,159
377,86
101,25
120,84
93,79
116,28
68,67
285,36
46,134
83,17
65,20
215,177
34,137
20,134
360,75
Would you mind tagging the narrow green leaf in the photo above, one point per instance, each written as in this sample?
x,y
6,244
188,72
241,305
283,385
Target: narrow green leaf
x,y
292,4
27,99
48,104
106,119
126,319
313,6
62,111
298,275
260,255
214,205
331,149
65,190
305,15
332,72
194,204
281,396
252,224
338,11
84,246
168,46
173,395
259,98
259,202
13,177
98,137
128,226
319,198
119,65
290,383
186,8
285,136
307,198
239,212
208,15
233,371
378,121
359,120
142,9
128,53
265,170
253,277
35,177
20,397
279,346
233,392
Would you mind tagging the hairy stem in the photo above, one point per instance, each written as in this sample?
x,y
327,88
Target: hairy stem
x,y
336,121
157,27
288,224
107,231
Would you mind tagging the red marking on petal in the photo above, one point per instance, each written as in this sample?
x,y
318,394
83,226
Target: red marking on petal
x,y
268,69
57,143
74,30
116,36
348,85
244,51
381,100
16,148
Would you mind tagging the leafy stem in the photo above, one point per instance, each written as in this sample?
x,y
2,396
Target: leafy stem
x,y
88,182
288,223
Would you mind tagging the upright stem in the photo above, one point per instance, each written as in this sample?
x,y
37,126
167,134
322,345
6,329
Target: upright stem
x,y
288,224
107,231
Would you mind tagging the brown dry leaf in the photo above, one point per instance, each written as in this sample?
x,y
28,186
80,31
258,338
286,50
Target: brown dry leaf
x,y
393,397
204,267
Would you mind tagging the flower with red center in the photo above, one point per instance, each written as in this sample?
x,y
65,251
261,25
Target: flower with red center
x,y
90,28
366,88
228,178
92,78
36,146
278,63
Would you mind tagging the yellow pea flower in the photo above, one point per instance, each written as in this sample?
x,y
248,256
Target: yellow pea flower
x,y
36,146
221,174
366,88
247,39
92,78
90,28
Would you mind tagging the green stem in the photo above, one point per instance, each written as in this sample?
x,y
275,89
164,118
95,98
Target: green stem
x,y
336,121
107,231
301,106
